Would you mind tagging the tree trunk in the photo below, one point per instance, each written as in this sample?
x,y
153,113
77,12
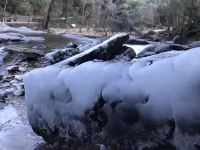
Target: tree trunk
x,y
4,10
48,16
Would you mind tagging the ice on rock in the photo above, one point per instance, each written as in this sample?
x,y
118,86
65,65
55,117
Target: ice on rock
x,y
117,100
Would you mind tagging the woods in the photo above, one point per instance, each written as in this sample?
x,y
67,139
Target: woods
x,y
110,15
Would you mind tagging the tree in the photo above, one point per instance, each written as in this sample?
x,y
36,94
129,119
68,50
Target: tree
x,y
48,15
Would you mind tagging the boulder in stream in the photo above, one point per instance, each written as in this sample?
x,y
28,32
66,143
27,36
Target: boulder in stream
x,y
121,105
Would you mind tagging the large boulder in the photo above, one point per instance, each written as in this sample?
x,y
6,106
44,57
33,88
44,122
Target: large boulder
x,y
61,54
121,105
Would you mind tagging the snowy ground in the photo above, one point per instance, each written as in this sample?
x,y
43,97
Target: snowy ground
x,y
15,131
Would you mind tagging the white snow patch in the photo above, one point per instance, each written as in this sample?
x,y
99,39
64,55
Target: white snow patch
x,y
22,30
15,134
137,48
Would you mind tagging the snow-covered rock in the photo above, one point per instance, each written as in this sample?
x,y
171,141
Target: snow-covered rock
x,y
106,50
61,54
16,37
142,105
22,30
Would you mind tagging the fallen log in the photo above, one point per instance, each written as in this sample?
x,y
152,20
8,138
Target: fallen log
x,y
104,51
62,54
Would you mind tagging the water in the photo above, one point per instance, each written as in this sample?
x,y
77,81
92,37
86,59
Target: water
x,y
51,42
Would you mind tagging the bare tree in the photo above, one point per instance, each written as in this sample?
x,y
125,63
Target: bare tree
x,y
48,14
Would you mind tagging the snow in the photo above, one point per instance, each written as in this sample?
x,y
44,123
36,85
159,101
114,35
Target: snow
x,y
167,88
138,48
16,134
61,54
21,30
18,37
87,46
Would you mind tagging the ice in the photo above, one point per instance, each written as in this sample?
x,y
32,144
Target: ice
x,y
167,88
15,133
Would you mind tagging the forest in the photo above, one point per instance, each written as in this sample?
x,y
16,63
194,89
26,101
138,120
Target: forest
x,y
110,15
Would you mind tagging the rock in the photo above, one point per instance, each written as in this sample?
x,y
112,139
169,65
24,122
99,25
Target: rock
x,y
103,51
160,48
120,105
13,69
19,89
128,55
59,55
16,37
